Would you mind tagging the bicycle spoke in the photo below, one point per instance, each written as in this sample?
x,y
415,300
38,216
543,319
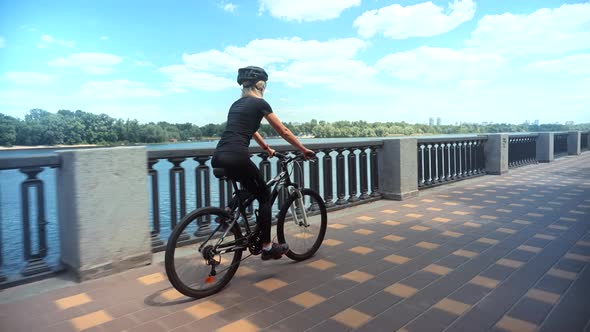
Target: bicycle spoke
x,y
303,238
199,268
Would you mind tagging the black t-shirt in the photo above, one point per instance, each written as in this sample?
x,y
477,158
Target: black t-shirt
x,y
243,120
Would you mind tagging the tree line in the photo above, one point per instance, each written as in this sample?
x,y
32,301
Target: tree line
x,y
40,127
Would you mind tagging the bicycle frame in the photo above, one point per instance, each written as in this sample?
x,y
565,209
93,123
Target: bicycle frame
x,y
278,183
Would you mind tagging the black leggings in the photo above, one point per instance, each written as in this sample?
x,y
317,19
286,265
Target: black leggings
x,y
240,168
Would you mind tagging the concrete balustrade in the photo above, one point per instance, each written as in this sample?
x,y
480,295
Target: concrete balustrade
x,y
398,168
545,148
103,210
574,140
496,153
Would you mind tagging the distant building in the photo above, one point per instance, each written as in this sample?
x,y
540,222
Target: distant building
x,y
536,122
438,121
431,121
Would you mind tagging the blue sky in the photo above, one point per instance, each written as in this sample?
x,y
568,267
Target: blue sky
x,y
373,60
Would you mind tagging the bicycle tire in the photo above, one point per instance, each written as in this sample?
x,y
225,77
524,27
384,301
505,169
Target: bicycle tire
x,y
171,247
323,214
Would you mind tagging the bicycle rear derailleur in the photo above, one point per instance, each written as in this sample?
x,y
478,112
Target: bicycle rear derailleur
x,y
209,256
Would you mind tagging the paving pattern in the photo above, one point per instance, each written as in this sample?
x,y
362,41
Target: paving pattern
x,y
497,253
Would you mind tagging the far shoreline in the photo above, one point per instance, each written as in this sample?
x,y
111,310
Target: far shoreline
x,y
204,139
46,147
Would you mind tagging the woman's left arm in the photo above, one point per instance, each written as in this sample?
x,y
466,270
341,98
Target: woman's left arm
x,y
263,144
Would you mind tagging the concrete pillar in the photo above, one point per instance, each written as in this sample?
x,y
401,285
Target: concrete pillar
x,y
103,210
398,168
574,140
545,148
496,154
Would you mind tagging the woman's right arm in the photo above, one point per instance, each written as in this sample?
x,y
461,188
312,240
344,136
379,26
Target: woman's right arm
x,y
287,135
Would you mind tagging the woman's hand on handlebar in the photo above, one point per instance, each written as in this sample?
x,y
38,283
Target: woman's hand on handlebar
x,y
308,154
271,152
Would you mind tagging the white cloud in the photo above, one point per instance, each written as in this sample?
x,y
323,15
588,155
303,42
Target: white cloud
x,y
578,64
143,63
29,78
546,30
229,7
47,40
436,64
181,77
283,50
104,37
95,97
332,73
116,89
144,113
15,102
293,60
2,42
422,20
306,10
212,60
92,63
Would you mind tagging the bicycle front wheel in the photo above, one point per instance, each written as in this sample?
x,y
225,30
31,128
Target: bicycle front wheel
x,y
302,223
191,251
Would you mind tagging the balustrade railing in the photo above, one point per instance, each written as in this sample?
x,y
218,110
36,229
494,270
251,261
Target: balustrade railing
x,y
34,222
560,144
442,160
343,173
522,150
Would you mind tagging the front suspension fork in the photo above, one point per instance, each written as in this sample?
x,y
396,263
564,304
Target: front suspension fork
x,y
299,204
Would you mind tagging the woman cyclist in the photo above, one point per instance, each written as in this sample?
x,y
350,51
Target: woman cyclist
x,y
231,153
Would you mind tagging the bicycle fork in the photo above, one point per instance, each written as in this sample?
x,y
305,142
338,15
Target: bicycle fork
x,y
300,220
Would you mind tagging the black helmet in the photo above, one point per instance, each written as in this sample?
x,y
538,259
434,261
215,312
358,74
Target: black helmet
x,y
251,73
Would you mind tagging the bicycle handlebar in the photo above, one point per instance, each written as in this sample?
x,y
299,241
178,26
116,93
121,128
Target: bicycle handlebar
x,y
286,159
279,155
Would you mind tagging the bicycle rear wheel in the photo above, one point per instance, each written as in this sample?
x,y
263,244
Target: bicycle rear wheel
x,y
302,224
186,260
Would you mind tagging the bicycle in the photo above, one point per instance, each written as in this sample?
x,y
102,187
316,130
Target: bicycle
x,y
303,211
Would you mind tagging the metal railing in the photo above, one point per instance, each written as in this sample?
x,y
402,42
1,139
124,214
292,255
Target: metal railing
x,y
345,174
34,177
443,160
522,150
560,144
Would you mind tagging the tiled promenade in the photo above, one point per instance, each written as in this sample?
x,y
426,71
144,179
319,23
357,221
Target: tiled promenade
x,y
499,253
